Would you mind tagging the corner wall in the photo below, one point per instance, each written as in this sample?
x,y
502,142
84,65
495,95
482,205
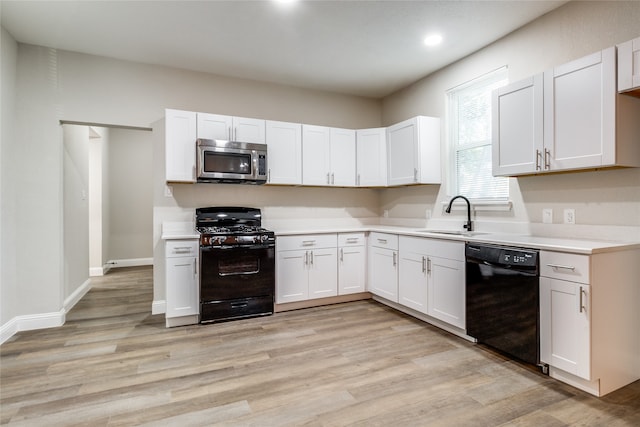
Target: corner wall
x,y
607,203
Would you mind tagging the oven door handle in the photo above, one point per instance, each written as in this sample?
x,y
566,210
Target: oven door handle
x,y
244,273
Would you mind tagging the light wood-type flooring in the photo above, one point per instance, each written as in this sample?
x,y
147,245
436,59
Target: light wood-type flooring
x,y
359,363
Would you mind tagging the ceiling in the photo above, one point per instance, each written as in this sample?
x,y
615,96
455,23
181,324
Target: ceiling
x,y
359,47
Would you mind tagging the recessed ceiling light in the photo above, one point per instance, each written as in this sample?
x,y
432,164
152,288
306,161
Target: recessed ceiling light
x,y
433,40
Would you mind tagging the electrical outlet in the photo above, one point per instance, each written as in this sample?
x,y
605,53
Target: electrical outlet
x,y
547,216
569,216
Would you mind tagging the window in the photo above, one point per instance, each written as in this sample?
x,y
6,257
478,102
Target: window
x,y
470,138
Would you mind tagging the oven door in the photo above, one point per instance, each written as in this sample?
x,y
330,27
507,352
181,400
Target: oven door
x,y
236,281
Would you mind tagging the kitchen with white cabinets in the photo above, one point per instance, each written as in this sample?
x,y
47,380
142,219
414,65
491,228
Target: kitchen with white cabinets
x,y
397,182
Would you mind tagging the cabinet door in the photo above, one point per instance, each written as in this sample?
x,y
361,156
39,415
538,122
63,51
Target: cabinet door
x,y
284,152
180,146
182,287
579,112
565,338
248,130
292,276
343,157
351,269
517,115
371,157
383,273
446,291
402,153
412,280
323,273
316,156
214,126
629,65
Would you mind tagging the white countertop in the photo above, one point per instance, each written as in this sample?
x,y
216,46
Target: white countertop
x,y
179,230
578,246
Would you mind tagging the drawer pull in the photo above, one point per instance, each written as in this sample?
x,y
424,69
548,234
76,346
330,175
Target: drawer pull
x,y
382,241
563,267
308,242
352,240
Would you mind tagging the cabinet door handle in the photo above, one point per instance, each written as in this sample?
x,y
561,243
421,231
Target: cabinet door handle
x,y
538,157
306,258
341,254
269,175
229,133
582,306
311,252
547,157
333,181
235,133
424,264
564,267
428,265
358,180
415,175
394,259
328,180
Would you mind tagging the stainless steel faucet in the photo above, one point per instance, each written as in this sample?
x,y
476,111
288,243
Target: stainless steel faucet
x,y
469,225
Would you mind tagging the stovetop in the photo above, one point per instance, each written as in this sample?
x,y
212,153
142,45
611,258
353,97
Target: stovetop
x,y
232,230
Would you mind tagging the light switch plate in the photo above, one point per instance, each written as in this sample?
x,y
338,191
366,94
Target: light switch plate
x,y
547,216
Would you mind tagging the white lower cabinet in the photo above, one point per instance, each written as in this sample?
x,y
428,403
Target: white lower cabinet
x,y
181,276
383,265
352,262
306,267
565,326
432,278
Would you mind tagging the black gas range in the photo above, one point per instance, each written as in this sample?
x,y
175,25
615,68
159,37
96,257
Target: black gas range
x,y
237,264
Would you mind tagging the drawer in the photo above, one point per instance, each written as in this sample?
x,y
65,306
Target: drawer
x,y
182,248
436,248
351,239
563,266
383,240
311,241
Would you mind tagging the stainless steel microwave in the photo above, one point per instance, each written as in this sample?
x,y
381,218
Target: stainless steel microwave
x,y
231,162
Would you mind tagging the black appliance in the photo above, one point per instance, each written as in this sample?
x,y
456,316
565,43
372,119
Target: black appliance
x,y
237,264
502,294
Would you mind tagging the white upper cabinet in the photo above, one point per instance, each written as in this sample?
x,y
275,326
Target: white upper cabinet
x,y
371,157
413,152
585,123
518,127
180,146
629,66
328,156
284,153
316,155
343,157
241,129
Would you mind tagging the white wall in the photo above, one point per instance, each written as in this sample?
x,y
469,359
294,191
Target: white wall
x,y
76,207
130,195
603,198
8,168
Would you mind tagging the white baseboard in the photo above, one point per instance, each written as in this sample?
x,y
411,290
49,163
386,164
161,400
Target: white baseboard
x,y
159,307
76,296
31,322
131,262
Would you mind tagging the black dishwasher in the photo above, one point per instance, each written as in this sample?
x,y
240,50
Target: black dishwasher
x,y
502,292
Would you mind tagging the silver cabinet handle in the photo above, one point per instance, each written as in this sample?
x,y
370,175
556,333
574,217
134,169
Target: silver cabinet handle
x,y
269,175
333,181
229,133
394,259
311,252
382,241
352,240
547,157
328,180
424,264
308,242
538,157
428,265
341,254
358,180
235,133
564,267
582,306
306,258
415,175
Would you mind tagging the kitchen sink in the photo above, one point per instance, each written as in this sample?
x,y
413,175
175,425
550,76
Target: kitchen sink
x,y
452,232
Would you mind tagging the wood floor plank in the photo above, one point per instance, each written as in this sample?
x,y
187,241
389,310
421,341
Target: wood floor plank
x,y
357,363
